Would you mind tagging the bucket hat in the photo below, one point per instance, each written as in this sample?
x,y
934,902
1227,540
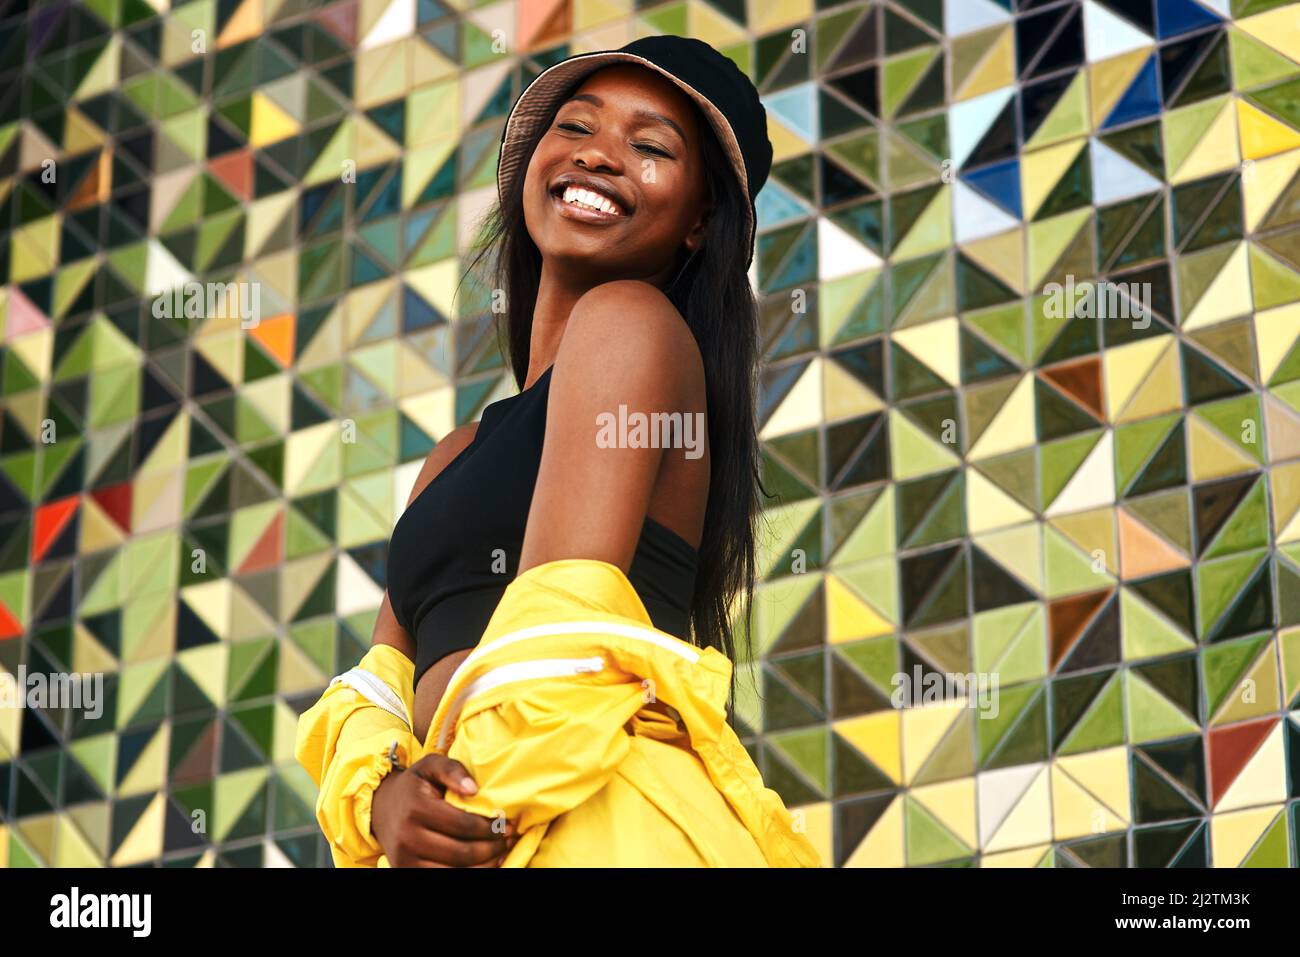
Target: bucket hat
x,y
724,94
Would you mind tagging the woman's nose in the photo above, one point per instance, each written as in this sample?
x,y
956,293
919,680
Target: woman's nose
x,y
593,156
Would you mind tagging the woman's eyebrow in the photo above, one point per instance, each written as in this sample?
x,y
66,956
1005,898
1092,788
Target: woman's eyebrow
x,y
651,115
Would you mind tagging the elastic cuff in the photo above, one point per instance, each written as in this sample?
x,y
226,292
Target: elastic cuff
x,y
364,796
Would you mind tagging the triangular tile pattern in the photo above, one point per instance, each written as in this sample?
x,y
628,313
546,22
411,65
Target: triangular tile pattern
x,y
1039,430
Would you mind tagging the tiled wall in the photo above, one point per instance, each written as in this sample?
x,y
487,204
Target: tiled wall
x,y
983,469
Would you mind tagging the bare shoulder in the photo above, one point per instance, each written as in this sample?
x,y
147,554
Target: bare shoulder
x,y
625,349
450,446
628,335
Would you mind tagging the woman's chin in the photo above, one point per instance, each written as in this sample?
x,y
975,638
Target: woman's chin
x,y
576,250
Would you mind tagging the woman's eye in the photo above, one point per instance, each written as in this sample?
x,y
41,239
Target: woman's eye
x,y
655,150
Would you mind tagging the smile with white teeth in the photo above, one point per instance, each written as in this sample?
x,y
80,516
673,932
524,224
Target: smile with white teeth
x,y
591,200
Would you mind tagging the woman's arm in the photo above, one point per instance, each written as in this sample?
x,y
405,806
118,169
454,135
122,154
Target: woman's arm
x,y
410,819
625,345
387,630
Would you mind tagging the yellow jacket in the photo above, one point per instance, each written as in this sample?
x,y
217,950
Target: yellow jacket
x,y
344,740
603,739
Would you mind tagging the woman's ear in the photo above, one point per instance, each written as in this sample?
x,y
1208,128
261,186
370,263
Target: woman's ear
x,y
695,238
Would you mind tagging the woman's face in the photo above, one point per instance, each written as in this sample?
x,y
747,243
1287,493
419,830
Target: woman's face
x,y
632,137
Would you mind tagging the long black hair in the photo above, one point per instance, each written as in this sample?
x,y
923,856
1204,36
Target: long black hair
x,y
712,292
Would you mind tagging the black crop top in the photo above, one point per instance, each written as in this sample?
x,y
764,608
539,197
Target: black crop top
x,y
456,547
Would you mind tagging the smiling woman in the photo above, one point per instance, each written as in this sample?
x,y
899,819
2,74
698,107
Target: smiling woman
x,y
630,143
622,241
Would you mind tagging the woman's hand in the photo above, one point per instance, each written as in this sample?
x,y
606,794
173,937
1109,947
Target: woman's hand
x,y
416,827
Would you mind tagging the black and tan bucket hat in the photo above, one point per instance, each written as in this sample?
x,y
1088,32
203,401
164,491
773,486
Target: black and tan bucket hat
x,y
725,95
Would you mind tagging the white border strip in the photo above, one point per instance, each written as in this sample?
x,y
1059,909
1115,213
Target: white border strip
x,y
375,690
635,632
517,671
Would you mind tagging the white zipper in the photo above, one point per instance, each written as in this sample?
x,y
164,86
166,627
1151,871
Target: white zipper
x,y
635,632
375,690
517,671
551,667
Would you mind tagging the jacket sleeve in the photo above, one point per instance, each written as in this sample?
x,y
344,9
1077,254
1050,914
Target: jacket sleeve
x,y
343,741
535,756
